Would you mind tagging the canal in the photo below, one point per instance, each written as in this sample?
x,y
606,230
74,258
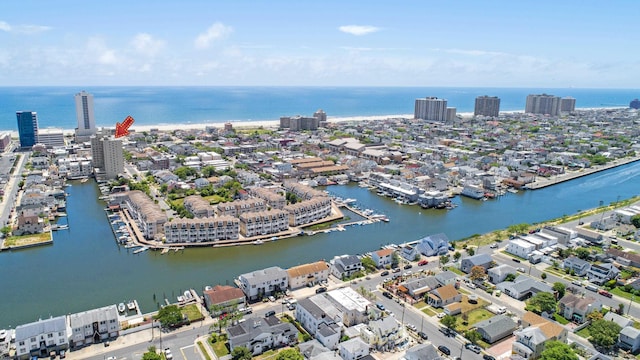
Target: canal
x,y
85,268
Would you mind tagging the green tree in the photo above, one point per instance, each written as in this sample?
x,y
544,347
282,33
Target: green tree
x,y
473,336
368,264
289,354
184,172
151,354
557,350
543,276
477,273
635,220
560,288
510,277
543,302
471,250
6,230
457,255
240,353
449,321
604,333
169,316
582,253
395,259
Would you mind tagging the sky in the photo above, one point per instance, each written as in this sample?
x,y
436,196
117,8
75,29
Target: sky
x,y
465,43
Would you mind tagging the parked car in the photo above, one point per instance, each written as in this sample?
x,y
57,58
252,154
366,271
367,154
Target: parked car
x,y
445,350
577,283
387,295
516,260
321,290
441,315
411,327
473,347
423,336
272,299
270,313
520,269
384,273
408,266
423,262
605,293
167,354
380,306
488,357
396,270
494,246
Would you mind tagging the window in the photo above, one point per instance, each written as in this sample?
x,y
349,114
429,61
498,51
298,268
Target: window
x,y
49,335
21,343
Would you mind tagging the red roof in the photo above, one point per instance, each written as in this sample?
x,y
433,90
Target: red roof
x,y
221,294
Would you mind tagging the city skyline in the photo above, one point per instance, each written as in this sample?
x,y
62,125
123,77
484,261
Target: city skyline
x,y
285,43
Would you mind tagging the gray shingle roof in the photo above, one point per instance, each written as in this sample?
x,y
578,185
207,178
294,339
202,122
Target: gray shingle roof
x,y
46,326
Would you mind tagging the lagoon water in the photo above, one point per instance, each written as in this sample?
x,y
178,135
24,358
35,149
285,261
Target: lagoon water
x,y
85,268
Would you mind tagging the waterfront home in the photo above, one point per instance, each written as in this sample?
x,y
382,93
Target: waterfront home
x,y
93,326
601,273
520,248
409,253
353,349
432,245
469,262
629,339
442,296
265,282
27,225
274,200
40,338
303,191
496,328
562,234
577,265
344,266
238,207
145,212
223,299
576,309
536,331
321,319
259,335
308,211
383,257
182,231
422,352
383,334
308,274
197,206
263,222
523,287
499,273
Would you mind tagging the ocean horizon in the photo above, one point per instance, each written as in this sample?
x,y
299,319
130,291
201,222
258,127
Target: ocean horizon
x,y
164,105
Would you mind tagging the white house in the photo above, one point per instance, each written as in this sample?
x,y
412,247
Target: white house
x,y
382,257
629,339
42,337
383,334
303,275
260,283
93,326
519,247
345,266
353,349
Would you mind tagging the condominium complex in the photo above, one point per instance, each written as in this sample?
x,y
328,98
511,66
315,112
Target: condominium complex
x,y
543,104
51,137
5,140
308,211
93,326
200,230
303,191
147,214
75,167
40,338
273,199
434,109
487,106
264,222
567,104
27,128
108,155
197,206
235,208
85,116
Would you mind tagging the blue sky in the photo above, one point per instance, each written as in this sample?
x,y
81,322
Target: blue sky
x,y
584,44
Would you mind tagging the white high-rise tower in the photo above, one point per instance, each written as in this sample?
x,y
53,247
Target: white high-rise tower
x,y
86,118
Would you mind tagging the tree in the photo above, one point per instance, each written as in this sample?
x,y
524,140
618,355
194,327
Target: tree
x,y
557,350
449,321
457,255
6,230
544,302
151,354
582,253
471,251
635,220
543,276
240,353
620,308
395,259
510,277
368,264
473,336
289,354
169,316
477,273
559,288
604,333
594,315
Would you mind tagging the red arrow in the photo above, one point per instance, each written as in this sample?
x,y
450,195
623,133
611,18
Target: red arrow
x,y
123,129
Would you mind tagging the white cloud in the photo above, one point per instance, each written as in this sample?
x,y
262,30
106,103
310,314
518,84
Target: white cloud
x,y
145,44
23,29
358,30
472,52
215,32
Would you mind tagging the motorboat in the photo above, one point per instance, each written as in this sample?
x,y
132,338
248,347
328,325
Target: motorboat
x,y
121,307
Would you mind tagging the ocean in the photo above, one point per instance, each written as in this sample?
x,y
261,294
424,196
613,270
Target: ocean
x,y
204,105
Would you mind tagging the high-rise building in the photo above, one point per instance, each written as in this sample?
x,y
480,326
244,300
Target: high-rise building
x,y
431,108
107,154
85,116
634,104
51,137
543,104
567,104
487,106
5,141
27,128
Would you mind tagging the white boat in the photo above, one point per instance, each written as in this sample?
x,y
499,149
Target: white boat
x,y
258,242
121,307
349,201
131,305
512,190
142,249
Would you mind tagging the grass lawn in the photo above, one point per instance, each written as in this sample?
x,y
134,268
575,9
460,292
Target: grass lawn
x,y
474,317
456,270
584,333
555,272
467,306
220,347
203,351
560,319
420,304
214,199
626,295
192,312
27,239
429,311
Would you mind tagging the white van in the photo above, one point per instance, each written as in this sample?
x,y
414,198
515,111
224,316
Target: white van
x,y
591,287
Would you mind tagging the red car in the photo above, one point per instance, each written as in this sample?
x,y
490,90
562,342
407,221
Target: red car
x,y
423,262
605,293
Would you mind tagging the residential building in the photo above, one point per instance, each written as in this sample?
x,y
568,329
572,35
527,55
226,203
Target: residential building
x,y
629,339
496,328
40,338
321,319
469,262
107,155
578,266
260,335
523,287
345,265
307,274
601,273
422,352
383,257
353,349
383,334
354,308
273,199
308,211
75,168
409,252
500,272
197,206
51,137
487,106
312,348
618,319
27,225
27,128
200,230
536,331
223,299
567,104
5,140
416,288
239,207
519,247
85,116
432,245
576,308
431,108
446,278
93,326
263,222
543,104
148,215
265,282
443,296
